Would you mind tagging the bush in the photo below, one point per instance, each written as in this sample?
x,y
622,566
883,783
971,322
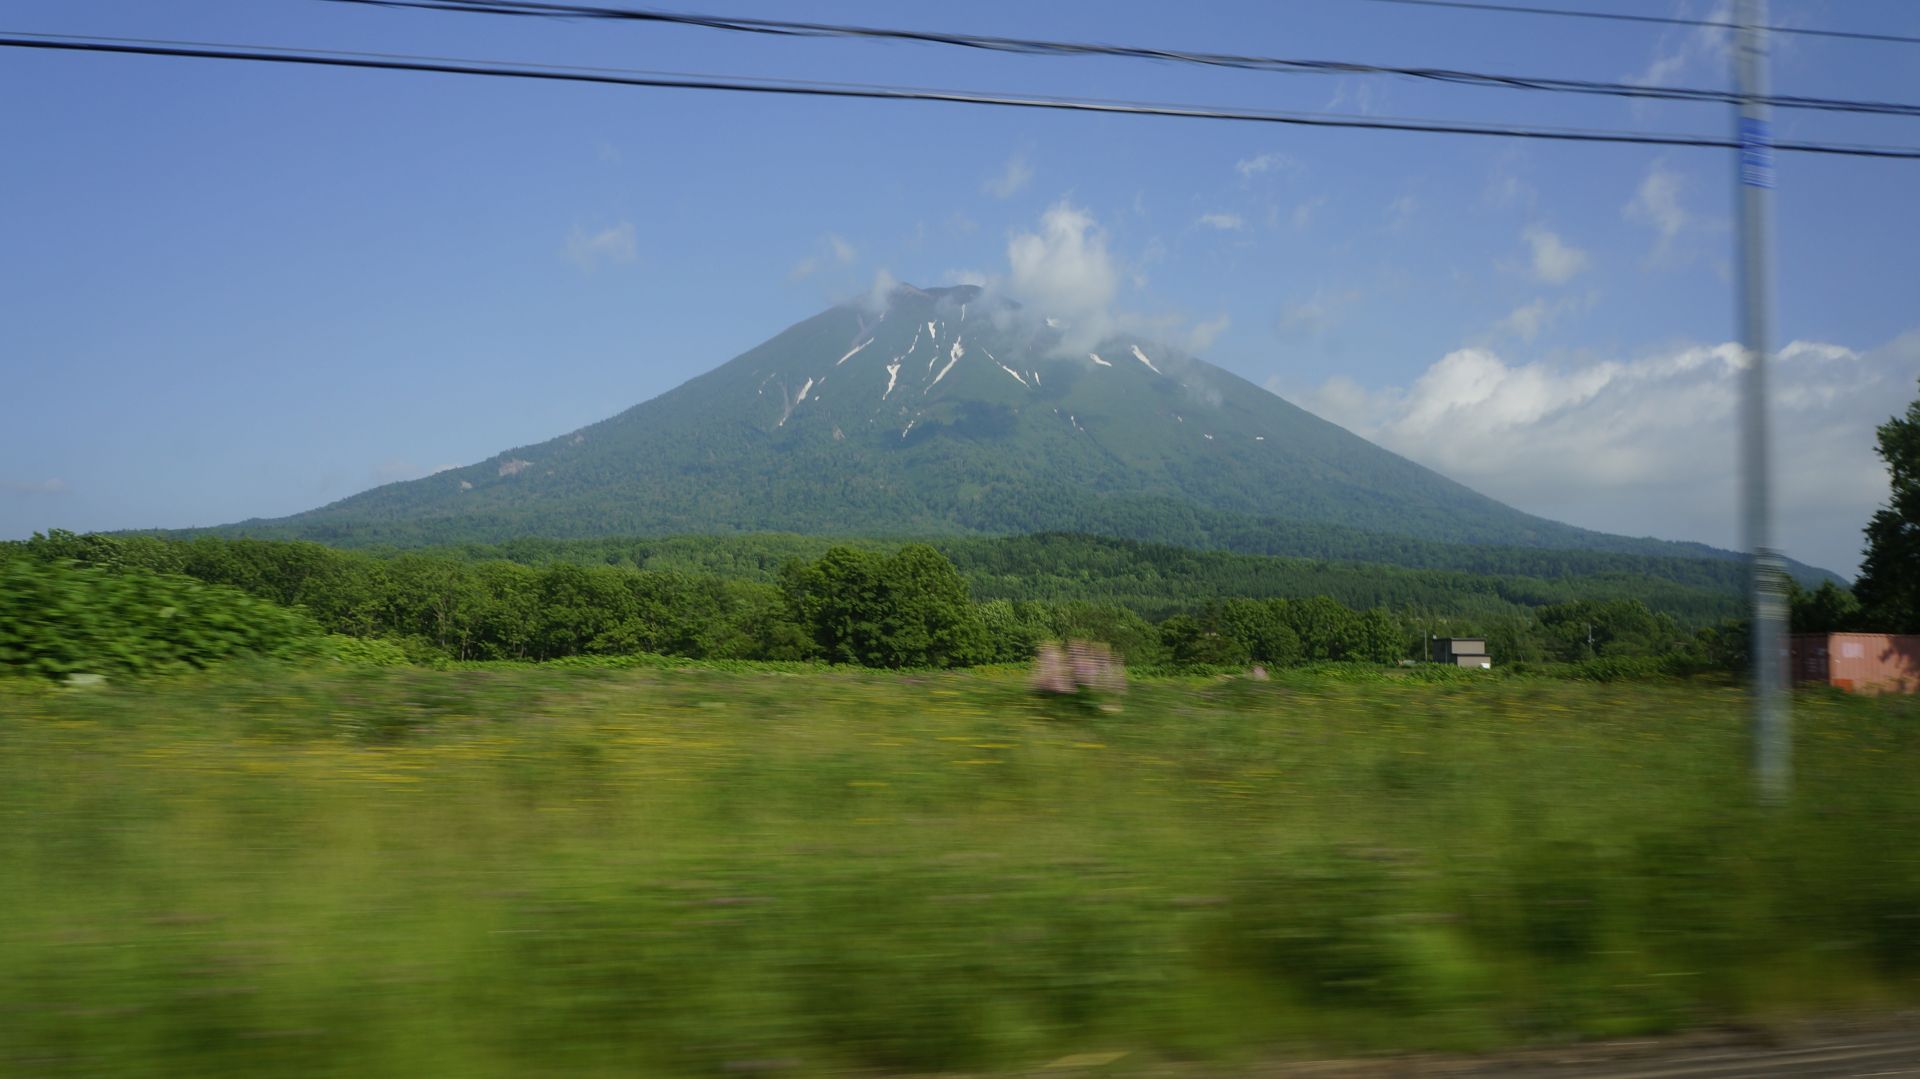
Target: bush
x,y
1622,668
351,651
61,618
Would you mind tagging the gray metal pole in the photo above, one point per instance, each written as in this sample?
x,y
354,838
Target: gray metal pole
x,y
1772,733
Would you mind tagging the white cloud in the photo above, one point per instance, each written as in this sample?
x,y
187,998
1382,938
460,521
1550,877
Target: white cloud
x,y
1657,203
1528,321
883,285
834,251
1648,446
1400,211
1249,167
1705,48
1304,213
1318,313
590,250
1202,335
1554,260
1065,271
1011,180
1223,222
34,487
1360,95
1506,189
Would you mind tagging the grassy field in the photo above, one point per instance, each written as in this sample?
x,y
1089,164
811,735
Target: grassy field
x,y
503,872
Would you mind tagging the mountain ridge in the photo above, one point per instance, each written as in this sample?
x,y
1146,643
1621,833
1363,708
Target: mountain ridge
x,y
943,412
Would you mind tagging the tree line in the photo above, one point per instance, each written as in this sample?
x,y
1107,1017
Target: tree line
x,y
907,606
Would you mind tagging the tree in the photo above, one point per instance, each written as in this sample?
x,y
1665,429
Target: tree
x,y
1889,584
910,610
839,600
1325,628
928,619
1131,636
1587,628
1827,609
1191,643
1378,637
1260,628
1012,633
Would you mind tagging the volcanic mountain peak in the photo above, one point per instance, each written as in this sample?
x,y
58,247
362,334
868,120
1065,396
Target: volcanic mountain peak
x,y
945,410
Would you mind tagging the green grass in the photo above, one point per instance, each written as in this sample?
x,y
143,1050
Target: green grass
x,y
512,871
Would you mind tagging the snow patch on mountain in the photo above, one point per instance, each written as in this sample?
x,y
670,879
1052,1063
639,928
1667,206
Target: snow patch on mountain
x,y
953,358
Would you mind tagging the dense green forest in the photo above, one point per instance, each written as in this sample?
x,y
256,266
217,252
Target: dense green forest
x,y
1145,522
1157,580
95,603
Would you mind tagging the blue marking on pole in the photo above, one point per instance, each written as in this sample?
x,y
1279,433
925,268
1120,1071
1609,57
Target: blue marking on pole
x,y
1756,152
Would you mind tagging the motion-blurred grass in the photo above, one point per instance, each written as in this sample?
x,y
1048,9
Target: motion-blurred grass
x,y
656,872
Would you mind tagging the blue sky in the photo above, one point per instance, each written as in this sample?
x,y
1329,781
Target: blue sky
x,y
234,290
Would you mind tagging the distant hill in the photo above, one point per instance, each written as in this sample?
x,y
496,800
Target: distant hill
x,y
943,414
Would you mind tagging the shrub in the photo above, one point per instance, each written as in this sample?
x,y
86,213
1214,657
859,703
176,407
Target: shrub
x,y
61,618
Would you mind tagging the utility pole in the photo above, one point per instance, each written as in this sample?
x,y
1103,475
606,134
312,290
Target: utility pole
x,y
1772,732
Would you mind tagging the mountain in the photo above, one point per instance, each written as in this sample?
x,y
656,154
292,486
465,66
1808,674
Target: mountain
x,y
942,412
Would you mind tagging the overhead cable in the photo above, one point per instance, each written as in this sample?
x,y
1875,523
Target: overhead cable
x,y
1036,47
666,80
1665,20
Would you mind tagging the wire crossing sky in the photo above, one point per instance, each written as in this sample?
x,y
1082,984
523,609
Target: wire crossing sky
x,y
1657,20
250,287
903,93
1033,47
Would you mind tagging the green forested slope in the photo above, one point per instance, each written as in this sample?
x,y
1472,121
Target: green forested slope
x,y
944,416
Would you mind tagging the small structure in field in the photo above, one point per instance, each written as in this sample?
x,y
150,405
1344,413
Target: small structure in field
x,y
1858,662
1462,652
1080,666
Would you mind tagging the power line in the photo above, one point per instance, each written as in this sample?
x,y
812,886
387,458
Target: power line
x,y
1665,20
619,77
1036,47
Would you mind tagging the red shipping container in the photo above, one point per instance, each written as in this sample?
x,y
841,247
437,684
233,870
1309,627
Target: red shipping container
x,y
1858,662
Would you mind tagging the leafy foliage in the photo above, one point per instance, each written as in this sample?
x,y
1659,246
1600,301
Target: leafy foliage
x,y
1889,584
862,603
61,618
1827,609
